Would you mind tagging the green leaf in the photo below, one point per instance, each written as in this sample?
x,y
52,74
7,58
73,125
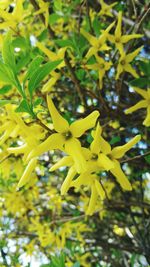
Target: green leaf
x,y
140,82
77,264
43,35
5,89
24,107
8,52
64,43
147,158
33,67
58,5
145,67
4,102
23,60
53,18
97,26
37,102
80,74
114,140
40,74
20,42
7,76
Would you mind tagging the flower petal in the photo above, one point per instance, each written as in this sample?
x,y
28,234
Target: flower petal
x,y
100,189
54,141
92,51
60,124
141,92
140,104
93,200
27,173
119,71
67,182
79,127
120,176
119,151
118,28
92,40
146,122
96,143
81,180
105,146
73,148
65,161
131,56
105,162
127,38
128,68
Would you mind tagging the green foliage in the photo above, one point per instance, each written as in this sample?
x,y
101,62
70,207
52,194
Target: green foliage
x,y
40,73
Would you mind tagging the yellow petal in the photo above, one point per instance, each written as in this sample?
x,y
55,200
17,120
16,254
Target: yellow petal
x,y
93,200
127,38
80,180
131,56
65,161
51,55
119,71
100,189
96,143
105,162
54,141
141,92
17,150
105,146
60,124
131,70
120,176
101,74
118,28
79,127
73,148
119,151
111,38
27,173
67,182
92,51
92,40
140,104
146,122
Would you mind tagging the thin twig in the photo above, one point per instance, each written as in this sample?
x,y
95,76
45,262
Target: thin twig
x,y
136,157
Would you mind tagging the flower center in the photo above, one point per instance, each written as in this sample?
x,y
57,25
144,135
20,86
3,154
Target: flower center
x,y
94,156
117,40
122,62
67,135
105,9
101,66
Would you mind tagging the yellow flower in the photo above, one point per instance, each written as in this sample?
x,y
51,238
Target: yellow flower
x,y
124,63
66,136
44,9
142,104
102,66
118,39
108,158
98,44
12,19
106,9
52,56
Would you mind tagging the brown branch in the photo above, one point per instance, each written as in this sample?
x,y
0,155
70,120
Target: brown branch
x,y
136,157
75,80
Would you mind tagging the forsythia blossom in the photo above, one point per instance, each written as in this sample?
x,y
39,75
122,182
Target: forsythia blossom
x,y
145,103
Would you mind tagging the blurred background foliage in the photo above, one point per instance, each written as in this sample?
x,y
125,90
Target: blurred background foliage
x,y
38,226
